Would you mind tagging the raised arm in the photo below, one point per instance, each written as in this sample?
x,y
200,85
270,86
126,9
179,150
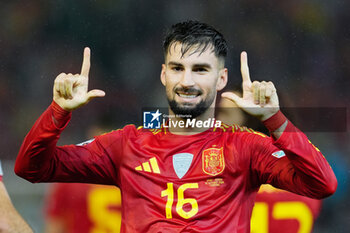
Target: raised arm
x,y
40,160
288,160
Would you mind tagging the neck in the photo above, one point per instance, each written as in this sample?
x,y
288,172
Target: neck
x,y
177,125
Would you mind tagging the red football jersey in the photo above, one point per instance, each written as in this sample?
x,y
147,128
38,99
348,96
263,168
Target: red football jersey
x,y
206,182
85,208
276,210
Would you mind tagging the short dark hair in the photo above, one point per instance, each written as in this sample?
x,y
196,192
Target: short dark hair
x,y
192,33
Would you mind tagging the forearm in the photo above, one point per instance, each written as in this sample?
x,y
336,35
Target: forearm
x,y
278,132
276,124
40,160
10,220
311,174
13,223
295,165
39,146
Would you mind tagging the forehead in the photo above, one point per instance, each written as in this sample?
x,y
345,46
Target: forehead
x,y
192,56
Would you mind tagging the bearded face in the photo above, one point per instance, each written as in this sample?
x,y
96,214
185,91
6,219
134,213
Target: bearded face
x,y
190,101
192,80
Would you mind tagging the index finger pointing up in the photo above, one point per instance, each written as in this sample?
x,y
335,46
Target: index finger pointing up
x,y
245,69
85,68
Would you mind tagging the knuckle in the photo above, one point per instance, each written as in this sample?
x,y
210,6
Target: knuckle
x,y
61,74
59,77
256,83
58,82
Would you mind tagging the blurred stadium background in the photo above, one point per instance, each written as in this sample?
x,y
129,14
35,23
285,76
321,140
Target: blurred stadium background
x,y
302,46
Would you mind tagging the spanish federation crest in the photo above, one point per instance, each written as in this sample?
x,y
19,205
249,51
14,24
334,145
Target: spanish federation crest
x,y
213,162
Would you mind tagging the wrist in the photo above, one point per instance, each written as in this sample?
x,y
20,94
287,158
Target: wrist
x,y
275,121
60,115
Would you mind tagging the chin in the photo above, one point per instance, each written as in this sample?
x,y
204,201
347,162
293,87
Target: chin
x,y
192,109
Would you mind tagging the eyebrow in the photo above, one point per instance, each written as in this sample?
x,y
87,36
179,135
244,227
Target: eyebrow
x,y
172,63
206,65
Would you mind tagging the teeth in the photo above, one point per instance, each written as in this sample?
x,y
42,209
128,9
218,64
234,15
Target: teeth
x,y
187,96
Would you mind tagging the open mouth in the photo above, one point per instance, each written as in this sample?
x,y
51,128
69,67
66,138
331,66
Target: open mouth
x,y
187,95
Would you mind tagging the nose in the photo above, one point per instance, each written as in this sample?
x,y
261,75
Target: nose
x,y
187,79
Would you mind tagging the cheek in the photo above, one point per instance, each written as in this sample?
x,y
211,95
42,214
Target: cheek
x,y
170,79
169,89
170,82
208,85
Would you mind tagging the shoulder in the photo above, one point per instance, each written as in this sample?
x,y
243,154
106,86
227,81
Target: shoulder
x,y
136,131
127,132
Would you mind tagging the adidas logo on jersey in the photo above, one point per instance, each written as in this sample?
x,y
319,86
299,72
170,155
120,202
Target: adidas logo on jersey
x,y
151,166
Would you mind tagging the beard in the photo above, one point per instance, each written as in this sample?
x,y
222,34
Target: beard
x,y
191,110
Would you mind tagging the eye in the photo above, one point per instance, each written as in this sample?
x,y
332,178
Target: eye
x,y
200,70
177,68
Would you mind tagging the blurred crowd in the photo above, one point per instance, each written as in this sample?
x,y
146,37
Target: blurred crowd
x,y
302,46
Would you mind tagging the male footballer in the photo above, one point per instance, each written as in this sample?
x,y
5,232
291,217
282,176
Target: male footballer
x,y
181,179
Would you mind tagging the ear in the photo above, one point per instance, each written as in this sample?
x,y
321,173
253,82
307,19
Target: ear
x,y
162,74
222,81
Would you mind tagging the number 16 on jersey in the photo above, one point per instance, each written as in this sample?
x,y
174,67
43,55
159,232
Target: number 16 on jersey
x,y
181,200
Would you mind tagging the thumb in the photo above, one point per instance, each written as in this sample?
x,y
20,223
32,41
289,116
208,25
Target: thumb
x,y
95,93
233,97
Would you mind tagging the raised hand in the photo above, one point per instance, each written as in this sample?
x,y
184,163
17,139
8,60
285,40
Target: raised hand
x,y
71,91
259,98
